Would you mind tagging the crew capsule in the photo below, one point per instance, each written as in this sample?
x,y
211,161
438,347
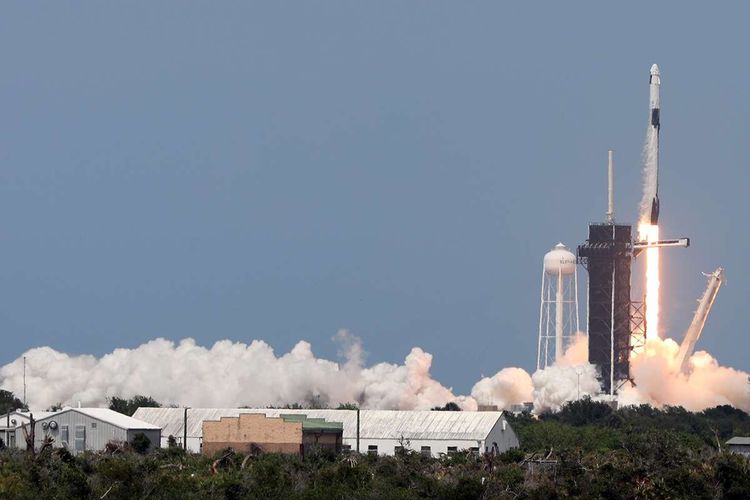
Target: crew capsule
x,y
654,105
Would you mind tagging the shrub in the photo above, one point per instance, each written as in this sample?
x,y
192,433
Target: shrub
x,y
141,443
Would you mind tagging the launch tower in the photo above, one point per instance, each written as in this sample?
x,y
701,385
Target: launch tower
x,y
607,255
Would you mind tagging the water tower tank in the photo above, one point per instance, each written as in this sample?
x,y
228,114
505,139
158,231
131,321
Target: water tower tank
x,y
560,260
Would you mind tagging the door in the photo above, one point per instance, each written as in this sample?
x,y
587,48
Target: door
x,y
80,438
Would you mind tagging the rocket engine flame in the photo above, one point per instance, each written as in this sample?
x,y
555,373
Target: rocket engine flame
x,y
650,233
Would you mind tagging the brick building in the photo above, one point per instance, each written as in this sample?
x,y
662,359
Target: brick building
x,y
257,433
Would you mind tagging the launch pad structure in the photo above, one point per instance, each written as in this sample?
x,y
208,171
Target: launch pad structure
x,y
607,255
616,324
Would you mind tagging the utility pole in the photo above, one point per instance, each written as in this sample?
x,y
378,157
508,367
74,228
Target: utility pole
x,y
357,429
24,384
184,429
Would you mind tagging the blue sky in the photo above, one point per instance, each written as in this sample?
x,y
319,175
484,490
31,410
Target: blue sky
x,y
281,170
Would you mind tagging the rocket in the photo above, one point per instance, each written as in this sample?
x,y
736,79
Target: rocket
x,y
654,106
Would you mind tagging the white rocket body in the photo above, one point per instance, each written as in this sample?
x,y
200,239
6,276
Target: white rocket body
x,y
654,85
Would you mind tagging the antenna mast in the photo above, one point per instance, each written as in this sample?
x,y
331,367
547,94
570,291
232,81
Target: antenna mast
x,y
24,382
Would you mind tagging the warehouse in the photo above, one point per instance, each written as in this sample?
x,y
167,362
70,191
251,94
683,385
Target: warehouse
x,y
83,429
380,432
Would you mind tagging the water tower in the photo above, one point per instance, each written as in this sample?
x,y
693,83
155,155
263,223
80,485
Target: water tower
x,y
558,312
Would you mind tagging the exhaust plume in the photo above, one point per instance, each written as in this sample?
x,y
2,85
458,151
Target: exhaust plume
x,y
508,387
228,374
231,374
660,381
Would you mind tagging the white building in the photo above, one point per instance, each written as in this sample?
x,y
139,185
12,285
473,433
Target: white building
x,y
379,431
10,425
739,445
84,429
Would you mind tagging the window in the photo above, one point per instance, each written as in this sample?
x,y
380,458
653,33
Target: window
x,y
474,449
426,451
64,434
398,449
93,425
452,450
372,449
80,437
346,447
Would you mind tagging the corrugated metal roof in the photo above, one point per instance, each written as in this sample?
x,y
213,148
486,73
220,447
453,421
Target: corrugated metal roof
x,y
111,417
744,441
24,415
374,424
37,414
425,424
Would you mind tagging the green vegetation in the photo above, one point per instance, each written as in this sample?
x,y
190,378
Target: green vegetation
x,y
347,406
589,426
587,450
141,443
128,406
448,407
9,402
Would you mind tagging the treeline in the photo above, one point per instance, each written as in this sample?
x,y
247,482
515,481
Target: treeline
x,y
9,402
652,466
587,450
594,426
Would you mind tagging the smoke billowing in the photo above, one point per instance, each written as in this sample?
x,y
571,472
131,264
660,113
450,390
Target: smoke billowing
x,y
230,374
506,388
659,380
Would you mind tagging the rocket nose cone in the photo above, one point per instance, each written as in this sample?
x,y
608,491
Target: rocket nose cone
x,y
654,70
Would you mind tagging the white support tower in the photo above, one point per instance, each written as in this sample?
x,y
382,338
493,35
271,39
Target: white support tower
x,y
558,312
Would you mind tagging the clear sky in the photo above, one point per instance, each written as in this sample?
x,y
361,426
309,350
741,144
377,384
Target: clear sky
x,y
281,170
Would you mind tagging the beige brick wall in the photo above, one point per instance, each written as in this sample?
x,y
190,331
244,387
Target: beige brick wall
x,y
250,428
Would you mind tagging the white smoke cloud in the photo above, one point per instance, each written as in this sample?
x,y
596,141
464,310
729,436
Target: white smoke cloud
x,y
232,374
577,352
228,374
571,378
507,387
556,385
659,381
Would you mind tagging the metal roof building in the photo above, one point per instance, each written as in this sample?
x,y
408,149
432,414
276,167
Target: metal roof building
x,y
81,429
11,422
380,431
739,445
